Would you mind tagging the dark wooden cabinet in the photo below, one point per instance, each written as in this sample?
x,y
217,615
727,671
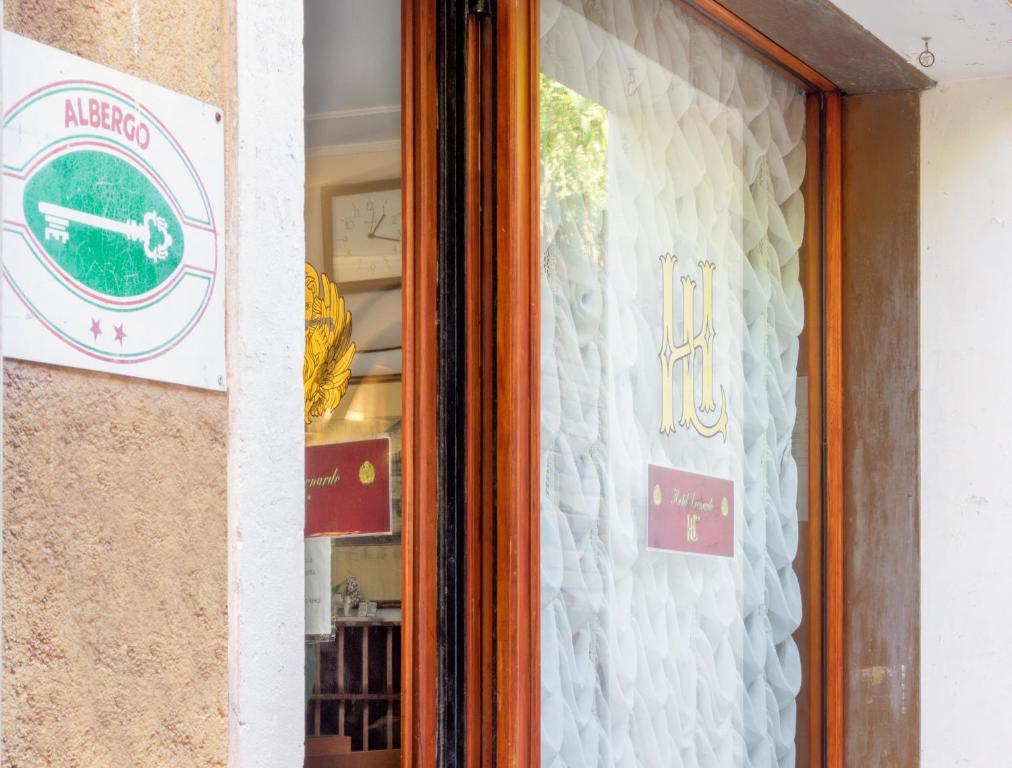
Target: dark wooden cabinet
x,y
357,687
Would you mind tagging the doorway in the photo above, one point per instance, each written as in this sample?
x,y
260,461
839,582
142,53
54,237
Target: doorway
x,y
570,423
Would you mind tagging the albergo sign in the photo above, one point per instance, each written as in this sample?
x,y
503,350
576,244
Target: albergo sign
x,y
112,203
107,116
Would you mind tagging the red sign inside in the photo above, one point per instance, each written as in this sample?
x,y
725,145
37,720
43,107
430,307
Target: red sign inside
x,y
348,488
689,512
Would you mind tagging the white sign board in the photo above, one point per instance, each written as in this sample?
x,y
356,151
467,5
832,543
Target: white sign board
x,y
318,579
113,202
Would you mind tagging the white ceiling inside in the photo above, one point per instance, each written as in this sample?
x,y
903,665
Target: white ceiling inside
x,y
353,72
970,38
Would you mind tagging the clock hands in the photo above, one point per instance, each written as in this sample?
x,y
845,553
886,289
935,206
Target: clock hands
x,y
373,236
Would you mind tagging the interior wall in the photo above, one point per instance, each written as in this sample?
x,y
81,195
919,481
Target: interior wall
x,y
378,568
881,401
966,423
337,169
115,539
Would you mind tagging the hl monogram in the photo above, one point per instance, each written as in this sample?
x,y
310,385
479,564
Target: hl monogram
x,y
685,353
692,527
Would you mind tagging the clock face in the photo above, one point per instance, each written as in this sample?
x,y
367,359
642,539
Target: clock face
x,y
366,229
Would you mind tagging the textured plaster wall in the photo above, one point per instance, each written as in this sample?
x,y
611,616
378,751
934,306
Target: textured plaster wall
x,y
115,532
966,424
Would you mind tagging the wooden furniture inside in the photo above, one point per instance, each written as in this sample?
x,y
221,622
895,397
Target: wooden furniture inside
x,y
378,758
356,692
325,746
320,750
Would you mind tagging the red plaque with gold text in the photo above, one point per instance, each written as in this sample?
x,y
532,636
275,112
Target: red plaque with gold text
x,y
689,512
348,488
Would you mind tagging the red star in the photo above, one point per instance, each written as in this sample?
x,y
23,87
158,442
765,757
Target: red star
x,y
96,329
119,334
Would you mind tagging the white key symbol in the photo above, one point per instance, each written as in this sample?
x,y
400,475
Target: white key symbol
x,y
58,217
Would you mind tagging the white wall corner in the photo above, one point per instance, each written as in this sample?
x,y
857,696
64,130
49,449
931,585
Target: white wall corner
x,y
966,423
265,295
1,379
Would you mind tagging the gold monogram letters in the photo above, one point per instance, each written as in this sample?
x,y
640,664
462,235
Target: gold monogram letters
x,y
686,353
692,528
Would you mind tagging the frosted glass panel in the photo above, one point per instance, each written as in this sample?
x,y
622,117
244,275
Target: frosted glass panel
x,y
672,308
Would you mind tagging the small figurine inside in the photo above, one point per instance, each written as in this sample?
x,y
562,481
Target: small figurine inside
x,y
346,597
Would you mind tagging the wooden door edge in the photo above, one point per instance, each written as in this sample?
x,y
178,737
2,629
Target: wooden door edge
x,y
418,158
833,318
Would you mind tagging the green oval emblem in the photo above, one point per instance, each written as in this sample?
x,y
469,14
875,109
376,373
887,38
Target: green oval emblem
x,y
114,243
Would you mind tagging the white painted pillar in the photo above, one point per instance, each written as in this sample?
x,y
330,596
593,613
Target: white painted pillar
x,y
1,372
265,351
966,423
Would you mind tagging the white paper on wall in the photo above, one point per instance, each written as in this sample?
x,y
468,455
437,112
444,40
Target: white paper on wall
x,y
318,577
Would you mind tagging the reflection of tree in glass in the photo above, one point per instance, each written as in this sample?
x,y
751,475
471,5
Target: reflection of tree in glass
x,y
574,172
573,145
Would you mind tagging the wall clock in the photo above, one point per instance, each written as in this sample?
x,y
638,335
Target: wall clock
x,y
362,232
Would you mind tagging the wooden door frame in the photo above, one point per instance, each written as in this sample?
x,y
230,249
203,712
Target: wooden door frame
x,y
441,402
509,673
420,443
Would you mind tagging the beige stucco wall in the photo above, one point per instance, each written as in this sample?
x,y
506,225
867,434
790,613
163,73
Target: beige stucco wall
x,y
115,534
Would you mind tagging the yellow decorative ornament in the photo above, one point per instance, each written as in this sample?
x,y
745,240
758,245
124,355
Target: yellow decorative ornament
x,y
326,370
367,473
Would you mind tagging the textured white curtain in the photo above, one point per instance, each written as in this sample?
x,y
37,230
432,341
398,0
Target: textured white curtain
x,y
681,144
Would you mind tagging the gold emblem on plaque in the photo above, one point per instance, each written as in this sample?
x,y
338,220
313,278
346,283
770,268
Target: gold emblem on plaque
x,y
657,495
326,368
690,347
366,473
724,508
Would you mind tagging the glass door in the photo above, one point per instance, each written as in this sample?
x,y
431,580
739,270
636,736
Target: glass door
x,y
674,393
567,470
